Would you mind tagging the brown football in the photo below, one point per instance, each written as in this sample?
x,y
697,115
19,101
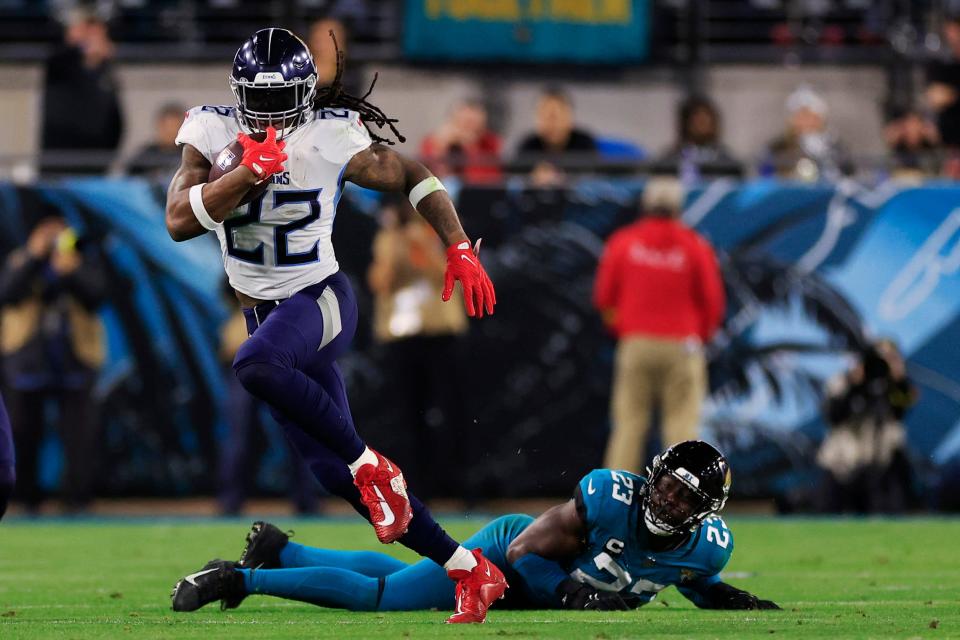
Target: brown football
x,y
229,159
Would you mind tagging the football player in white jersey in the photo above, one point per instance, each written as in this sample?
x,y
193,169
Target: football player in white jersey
x,y
300,310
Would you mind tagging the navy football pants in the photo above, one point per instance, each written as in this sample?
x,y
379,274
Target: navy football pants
x,y
289,362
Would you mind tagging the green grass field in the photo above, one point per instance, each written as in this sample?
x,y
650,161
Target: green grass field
x,y
834,579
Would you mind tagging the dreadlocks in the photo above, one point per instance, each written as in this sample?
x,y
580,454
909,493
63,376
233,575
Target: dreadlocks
x,y
334,97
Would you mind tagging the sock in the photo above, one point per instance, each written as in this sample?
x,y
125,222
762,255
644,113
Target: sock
x,y
368,563
426,537
367,457
461,560
324,586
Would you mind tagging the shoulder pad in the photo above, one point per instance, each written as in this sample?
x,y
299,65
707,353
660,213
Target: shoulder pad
x,y
716,541
208,129
344,134
607,487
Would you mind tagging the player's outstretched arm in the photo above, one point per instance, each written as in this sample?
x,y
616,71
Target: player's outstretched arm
x,y
219,197
558,534
534,554
379,167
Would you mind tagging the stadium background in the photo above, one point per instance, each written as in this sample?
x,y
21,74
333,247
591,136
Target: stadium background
x,y
816,268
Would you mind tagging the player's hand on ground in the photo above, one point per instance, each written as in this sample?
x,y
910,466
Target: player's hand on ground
x,y
576,595
263,158
724,596
463,264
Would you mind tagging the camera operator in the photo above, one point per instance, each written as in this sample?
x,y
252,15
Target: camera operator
x,y
864,455
52,344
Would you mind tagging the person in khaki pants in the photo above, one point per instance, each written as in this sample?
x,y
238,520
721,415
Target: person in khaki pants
x,y
659,290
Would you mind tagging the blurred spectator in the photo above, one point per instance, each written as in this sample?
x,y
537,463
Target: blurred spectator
x,y
53,344
556,145
159,159
943,86
81,106
420,334
659,290
324,52
247,418
913,145
463,146
807,150
864,455
698,150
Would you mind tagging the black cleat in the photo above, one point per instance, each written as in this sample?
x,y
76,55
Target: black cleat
x,y
264,543
218,580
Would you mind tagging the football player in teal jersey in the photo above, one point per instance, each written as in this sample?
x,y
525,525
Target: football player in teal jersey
x,y
615,545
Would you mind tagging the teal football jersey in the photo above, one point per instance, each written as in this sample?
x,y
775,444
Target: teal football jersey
x,y
618,556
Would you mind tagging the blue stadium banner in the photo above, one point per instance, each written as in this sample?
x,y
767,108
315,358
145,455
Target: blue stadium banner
x,y
583,31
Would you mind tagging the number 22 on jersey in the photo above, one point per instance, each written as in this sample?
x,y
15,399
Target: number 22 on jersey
x,y
283,256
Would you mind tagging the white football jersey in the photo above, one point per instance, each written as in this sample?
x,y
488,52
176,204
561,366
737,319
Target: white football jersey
x,y
280,242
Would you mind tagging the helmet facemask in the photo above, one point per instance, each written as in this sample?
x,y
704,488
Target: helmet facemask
x,y
674,503
282,104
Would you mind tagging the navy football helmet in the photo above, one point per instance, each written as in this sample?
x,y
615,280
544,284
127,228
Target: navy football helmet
x,y
274,81
688,483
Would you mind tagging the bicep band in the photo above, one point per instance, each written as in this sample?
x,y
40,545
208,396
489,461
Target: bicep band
x,y
200,211
424,188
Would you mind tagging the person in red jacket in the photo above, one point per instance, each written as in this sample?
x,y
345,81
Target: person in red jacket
x,y
464,145
659,290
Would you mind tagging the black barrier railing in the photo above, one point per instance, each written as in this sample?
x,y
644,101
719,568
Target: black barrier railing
x,y
922,164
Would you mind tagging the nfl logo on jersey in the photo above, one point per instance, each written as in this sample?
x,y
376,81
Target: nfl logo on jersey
x,y
225,159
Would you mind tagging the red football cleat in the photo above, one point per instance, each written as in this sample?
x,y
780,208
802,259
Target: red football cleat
x,y
384,491
477,589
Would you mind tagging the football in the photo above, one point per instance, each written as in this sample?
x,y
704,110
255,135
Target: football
x,y
229,159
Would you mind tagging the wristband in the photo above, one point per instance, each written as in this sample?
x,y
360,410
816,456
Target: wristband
x,y
200,211
424,188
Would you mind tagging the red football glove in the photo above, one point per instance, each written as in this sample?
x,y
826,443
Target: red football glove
x,y
463,264
263,158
